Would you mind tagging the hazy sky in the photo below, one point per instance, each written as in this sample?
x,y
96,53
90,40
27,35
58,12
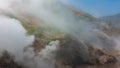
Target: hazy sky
x,y
97,8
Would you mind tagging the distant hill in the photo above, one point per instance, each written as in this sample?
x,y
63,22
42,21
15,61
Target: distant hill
x,y
112,20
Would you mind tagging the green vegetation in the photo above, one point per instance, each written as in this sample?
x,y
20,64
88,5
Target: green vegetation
x,y
31,29
46,34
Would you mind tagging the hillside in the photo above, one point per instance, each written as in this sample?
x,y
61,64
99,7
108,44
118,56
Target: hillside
x,y
82,39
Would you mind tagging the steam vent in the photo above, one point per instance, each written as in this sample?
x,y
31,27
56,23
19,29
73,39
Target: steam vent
x,y
56,35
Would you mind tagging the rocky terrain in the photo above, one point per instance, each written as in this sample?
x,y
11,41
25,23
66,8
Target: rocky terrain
x,y
7,61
